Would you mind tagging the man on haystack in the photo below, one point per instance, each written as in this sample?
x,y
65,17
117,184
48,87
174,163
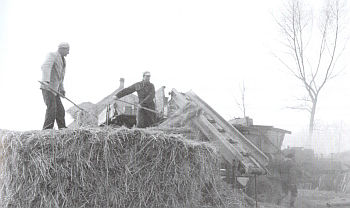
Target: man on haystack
x,y
146,93
53,71
288,173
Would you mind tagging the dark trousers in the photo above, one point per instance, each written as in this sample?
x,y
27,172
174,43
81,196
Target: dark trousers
x,y
286,188
54,110
145,118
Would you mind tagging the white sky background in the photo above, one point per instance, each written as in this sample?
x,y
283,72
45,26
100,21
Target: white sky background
x,y
209,47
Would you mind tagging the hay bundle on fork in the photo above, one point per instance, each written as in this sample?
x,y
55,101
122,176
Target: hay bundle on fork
x,y
104,167
84,118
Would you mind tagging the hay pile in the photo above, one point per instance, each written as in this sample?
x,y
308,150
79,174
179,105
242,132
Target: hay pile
x,y
104,167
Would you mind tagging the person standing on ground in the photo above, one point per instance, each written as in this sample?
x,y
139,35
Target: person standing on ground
x,y
288,174
146,93
53,71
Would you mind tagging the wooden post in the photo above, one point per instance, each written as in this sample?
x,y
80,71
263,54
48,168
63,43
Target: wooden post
x,y
256,195
107,115
233,174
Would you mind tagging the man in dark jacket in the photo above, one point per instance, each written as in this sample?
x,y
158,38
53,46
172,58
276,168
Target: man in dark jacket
x,y
288,174
145,92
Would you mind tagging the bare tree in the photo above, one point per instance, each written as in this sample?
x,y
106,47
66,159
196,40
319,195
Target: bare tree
x,y
242,103
311,56
334,134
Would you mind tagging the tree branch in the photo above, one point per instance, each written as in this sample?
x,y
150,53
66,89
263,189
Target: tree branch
x,y
334,48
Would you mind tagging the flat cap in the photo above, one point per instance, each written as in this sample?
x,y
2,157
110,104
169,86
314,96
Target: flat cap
x,y
146,73
63,45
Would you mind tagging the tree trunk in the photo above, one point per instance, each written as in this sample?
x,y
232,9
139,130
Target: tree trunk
x,y
312,121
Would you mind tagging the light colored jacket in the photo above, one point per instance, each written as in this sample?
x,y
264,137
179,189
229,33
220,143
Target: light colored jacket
x,y
53,71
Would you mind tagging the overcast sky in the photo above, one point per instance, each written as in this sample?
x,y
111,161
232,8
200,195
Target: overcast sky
x,y
210,47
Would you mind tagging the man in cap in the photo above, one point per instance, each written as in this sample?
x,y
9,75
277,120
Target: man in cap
x,y
145,92
288,173
53,71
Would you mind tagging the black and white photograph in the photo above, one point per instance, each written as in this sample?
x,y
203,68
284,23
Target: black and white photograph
x,y
174,104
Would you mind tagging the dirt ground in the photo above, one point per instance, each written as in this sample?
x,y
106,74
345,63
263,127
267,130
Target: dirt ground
x,y
315,199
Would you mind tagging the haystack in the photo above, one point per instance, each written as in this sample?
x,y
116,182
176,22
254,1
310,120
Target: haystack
x,y
105,167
